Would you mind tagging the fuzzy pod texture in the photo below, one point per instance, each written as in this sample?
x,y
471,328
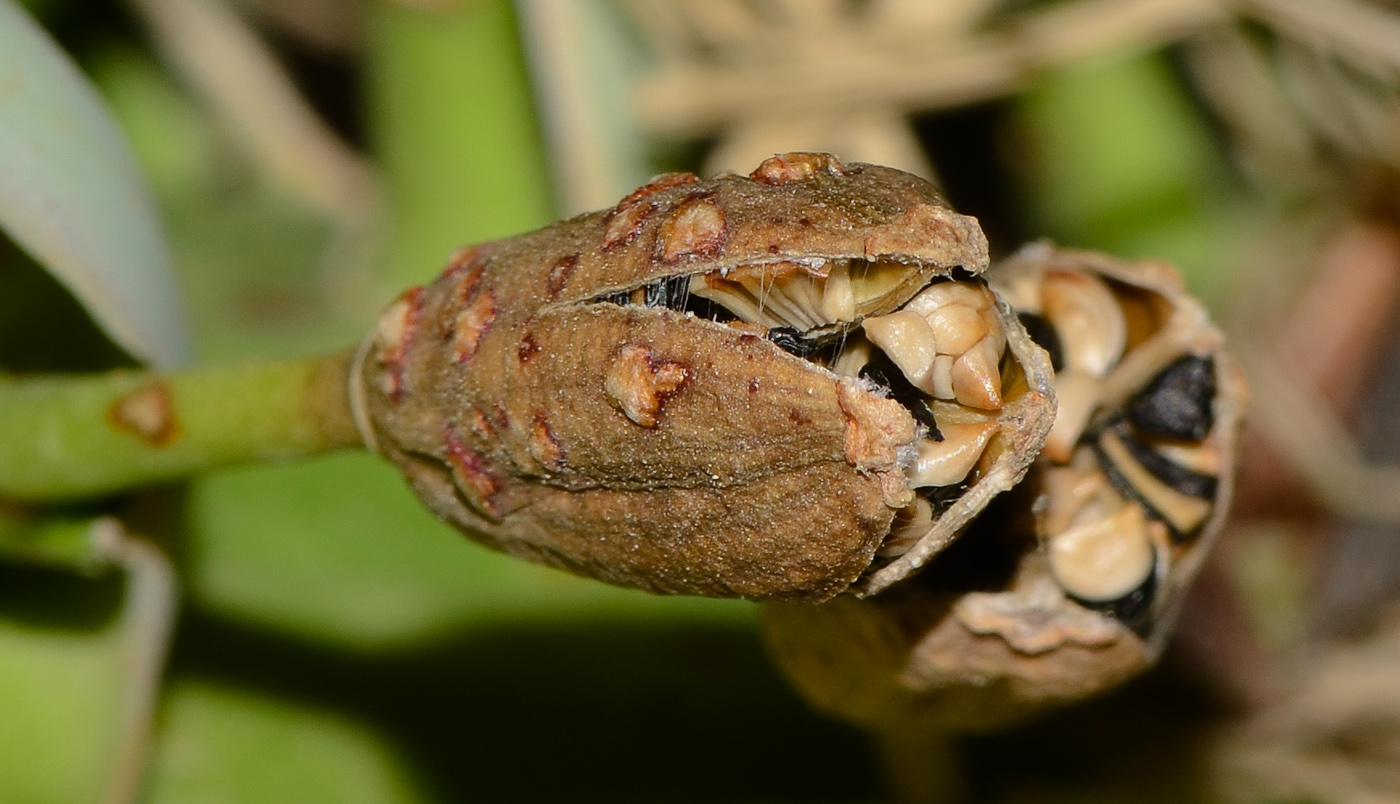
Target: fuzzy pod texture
x,y
550,396
1069,584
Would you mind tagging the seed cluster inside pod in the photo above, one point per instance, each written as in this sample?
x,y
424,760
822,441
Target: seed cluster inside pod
x,y
1134,470
1066,584
942,354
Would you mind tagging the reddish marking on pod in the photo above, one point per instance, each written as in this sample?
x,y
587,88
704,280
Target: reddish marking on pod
x,y
528,348
471,325
467,285
560,273
753,385
468,257
794,167
799,418
663,182
638,385
147,413
472,474
696,228
543,446
394,335
624,223
502,415
481,425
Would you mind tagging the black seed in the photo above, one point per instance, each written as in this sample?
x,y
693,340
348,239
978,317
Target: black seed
x,y
883,371
987,555
793,342
1120,481
1045,337
671,293
941,498
1173,475
1133,609
821,348
1178,402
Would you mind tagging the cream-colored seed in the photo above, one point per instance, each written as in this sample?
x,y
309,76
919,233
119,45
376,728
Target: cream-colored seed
x,y
943,463
852,358
910,525
1087,319
976,376
1203,457
721,292
942,377
772,311
1076,395
957,328
838,298
1022,292
874,281
906,338
945,293
1184,512
994,330
1104,559
1068,490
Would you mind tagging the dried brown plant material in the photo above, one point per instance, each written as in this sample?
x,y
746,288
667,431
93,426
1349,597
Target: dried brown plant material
x,y
1334,737
1070,583
675,394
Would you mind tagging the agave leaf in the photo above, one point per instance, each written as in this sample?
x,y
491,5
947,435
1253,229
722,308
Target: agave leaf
x,y
71,196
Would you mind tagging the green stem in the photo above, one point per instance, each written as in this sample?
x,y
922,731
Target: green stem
x,y
70,438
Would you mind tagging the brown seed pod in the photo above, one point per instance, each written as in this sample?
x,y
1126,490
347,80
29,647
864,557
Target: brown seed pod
x,y
679,393
1067,585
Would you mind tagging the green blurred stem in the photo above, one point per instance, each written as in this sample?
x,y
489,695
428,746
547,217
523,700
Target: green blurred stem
x,y
69,438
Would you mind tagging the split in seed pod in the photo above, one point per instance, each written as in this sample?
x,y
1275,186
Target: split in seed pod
x,y
1068,584
773,386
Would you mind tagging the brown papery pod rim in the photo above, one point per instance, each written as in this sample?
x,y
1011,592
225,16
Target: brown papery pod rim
x,y
942,652
1023,422
1187,329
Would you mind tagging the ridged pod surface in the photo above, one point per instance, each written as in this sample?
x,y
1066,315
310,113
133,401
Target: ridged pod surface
x,y
563,395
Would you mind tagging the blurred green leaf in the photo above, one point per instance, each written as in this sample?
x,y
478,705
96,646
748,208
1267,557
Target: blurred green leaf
x,y
1120,161
177,146
71,196
60,677
453,129
220,745
340,550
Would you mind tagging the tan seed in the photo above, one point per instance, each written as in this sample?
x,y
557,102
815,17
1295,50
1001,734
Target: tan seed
x,y
976,376
1104,559
943,463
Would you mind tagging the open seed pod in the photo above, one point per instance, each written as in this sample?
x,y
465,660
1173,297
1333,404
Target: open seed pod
x,y
1068,584
770,386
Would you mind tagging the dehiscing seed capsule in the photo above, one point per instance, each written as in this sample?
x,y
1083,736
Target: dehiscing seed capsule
x,y
1070,584
677,394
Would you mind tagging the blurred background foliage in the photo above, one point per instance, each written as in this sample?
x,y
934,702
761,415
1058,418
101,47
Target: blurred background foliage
x,y
335,642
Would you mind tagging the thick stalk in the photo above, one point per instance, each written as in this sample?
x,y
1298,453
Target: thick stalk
x,y
70,438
